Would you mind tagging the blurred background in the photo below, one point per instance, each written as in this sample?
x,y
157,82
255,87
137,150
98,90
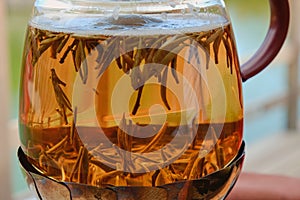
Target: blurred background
x,y
271,98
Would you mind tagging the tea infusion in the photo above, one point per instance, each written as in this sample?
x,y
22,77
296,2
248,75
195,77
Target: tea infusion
x,y
130,108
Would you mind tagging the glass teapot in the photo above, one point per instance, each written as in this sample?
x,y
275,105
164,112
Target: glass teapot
x,y
135,99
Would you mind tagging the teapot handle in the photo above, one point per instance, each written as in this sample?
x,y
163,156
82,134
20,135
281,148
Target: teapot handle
x,y
279,24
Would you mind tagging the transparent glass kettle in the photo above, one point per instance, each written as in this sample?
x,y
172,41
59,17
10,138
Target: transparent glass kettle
x,y
135,99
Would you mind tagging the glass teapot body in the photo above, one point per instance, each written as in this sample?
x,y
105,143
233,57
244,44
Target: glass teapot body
x,y
134,87
130,93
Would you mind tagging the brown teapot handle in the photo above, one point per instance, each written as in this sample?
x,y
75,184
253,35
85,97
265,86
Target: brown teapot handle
x,y
279,24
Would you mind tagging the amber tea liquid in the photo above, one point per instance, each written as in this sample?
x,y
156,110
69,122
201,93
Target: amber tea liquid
x,y
110,106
